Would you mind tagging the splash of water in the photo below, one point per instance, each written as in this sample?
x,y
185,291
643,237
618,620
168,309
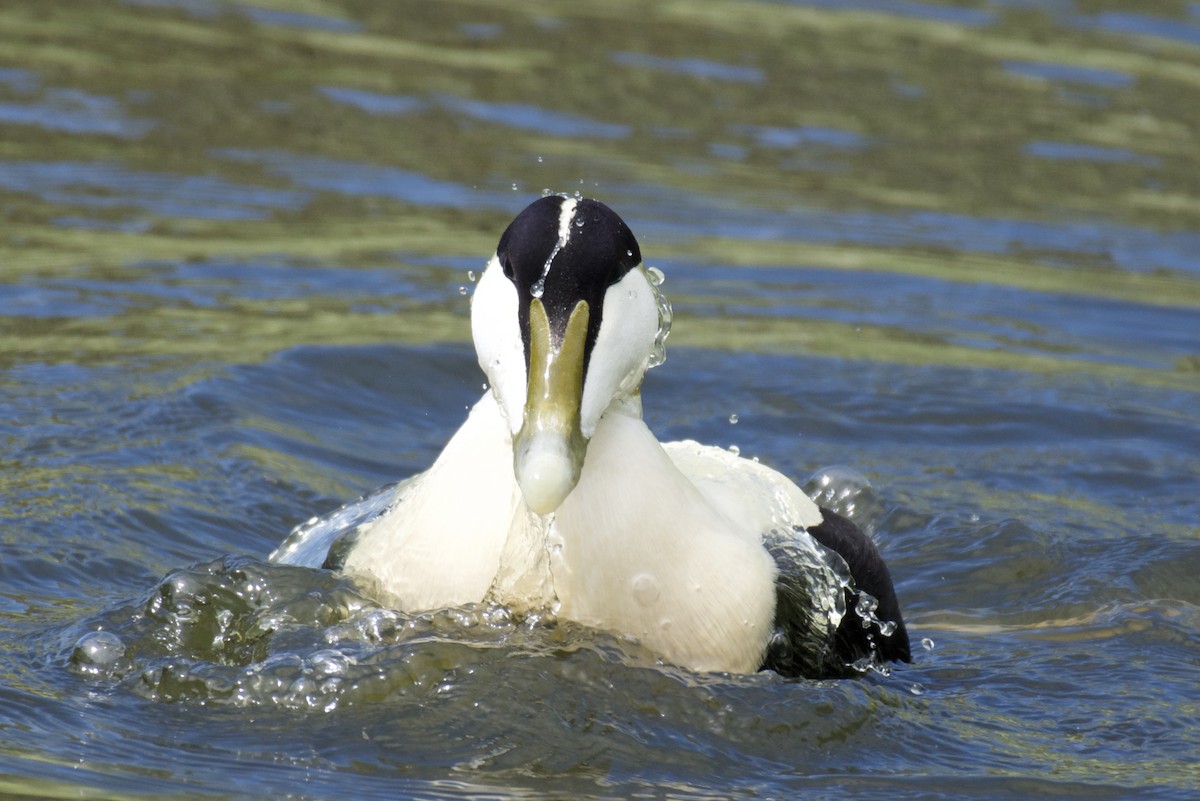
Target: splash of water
x,y
658,354
239,632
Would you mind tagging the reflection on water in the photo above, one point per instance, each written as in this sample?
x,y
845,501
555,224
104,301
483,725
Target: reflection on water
x,y
949,247
531,118
362,179
108,185
1069,73
935,12
72,111
694,67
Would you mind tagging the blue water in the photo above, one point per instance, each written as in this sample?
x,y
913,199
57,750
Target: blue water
x,y
938,262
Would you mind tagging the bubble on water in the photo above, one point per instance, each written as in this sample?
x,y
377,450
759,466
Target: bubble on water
x,y
515,187
927,643
733,419
373,626
100,654
498,617
916,688
540,159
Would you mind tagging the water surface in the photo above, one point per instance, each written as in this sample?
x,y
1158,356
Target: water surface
x,y
938,261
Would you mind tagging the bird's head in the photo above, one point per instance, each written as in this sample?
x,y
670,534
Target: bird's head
x,y
566,321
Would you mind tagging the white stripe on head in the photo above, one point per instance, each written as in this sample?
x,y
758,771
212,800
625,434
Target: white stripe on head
x,y
566,215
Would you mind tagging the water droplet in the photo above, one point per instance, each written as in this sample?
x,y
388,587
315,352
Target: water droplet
x,y
735,450
462,290
515,187
658,355
887,628
540,159
733,419
547,192
538,288
917,689
579,222
471,276
645,588
927,643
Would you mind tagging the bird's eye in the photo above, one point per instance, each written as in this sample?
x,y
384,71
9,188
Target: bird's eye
x,y
508,269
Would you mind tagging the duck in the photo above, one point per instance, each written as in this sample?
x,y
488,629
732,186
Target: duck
x,y
554,494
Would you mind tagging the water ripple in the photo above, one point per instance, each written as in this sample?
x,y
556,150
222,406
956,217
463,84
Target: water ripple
x,y
110,185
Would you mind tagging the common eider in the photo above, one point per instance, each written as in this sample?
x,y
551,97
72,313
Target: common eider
x,y
555,494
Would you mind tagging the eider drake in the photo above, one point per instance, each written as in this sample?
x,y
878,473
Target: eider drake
x,y
555,494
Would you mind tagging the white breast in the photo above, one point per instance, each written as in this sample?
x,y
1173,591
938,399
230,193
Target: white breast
x,y
662,544
442,546
644,554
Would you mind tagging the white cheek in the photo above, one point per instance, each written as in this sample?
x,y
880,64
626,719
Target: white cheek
x,y
497,333
627,331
